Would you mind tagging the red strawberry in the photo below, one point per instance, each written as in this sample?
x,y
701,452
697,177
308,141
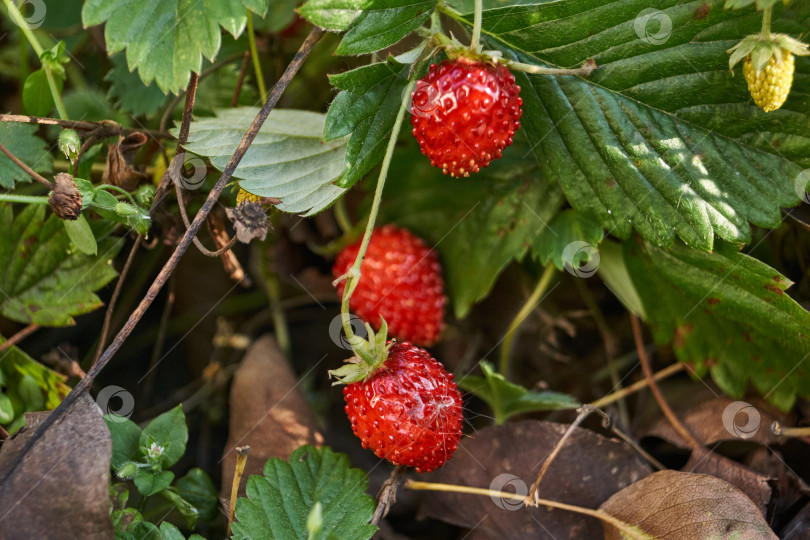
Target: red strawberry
x,y
409,411
401,281
464,113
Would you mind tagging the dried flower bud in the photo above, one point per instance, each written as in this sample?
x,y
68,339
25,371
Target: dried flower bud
x,y
65,199
250,221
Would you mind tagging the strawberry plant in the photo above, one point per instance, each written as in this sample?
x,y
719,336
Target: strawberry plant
x,y
214,212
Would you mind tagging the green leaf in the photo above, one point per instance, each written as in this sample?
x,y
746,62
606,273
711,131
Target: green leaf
x,y
483,222
129,92
107,206
183,507
613,271
81,235
372,24
168,431
197,488
123,520
15,364
279,502
287,160
166,40
280,14
36,95
43,282
366,109
727,313
31,394
568,241
660,138
508,399
20,140
6,409
149,483
143,530
126,436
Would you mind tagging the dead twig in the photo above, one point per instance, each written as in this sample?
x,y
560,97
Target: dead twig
x,y
388,494
659,397
103,129
532,498
241,80
241,459
105,329
19,336
28,170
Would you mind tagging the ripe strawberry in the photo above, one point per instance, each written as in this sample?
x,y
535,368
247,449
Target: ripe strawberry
x,y
409,411
401,281
770,86
464,113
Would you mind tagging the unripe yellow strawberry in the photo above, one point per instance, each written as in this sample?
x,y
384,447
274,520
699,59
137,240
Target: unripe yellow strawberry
x,y
245,197
771,86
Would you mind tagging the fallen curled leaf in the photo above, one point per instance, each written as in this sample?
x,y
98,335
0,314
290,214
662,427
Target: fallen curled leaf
x,y
756,486
589,469
268,412
707,422
119,170
60,487
684,506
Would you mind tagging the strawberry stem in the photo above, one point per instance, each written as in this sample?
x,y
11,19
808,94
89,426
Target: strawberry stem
x,y
585,70
525,311
476,35
629,530
766,23
353,275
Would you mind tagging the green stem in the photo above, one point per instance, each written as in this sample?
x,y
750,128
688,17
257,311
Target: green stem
x,y
342,217
254,53
17,18
476,35
279,320
119,190
353,275
57,97
26,199
766,23
585,70
528,307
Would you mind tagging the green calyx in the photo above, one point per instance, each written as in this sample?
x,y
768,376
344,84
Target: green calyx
x,y
762,48
370,355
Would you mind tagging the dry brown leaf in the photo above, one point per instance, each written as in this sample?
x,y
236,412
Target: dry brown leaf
x,y
756,486
268,412
705,421
588,470
60,488
119,171
683,506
